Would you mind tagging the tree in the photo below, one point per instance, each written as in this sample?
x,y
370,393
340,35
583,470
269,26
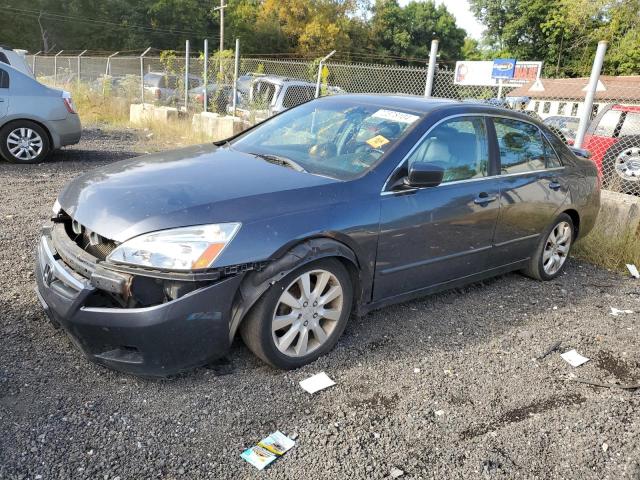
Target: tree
x,y
407,32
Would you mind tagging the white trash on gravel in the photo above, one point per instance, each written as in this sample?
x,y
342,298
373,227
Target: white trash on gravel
x,y
396,472
318,382
573,358
633,270
615,311
268,449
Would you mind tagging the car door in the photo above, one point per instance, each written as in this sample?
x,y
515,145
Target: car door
x,y
431,236
4,92
532,188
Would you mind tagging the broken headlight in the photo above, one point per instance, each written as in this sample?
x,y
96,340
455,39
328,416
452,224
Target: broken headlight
x,y
186,248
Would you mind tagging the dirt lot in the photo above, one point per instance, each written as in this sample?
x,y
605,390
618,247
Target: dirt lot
x,y
445,387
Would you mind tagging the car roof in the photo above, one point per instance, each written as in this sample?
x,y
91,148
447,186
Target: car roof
x,y
406,102
280,80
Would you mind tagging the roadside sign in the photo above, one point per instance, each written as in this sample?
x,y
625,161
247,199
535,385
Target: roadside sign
x,y
479,73
503,68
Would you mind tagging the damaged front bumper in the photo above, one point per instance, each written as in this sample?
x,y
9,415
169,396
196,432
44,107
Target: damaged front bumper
x,y
156,340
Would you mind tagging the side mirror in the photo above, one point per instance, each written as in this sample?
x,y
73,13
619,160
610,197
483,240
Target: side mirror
x,y
424,175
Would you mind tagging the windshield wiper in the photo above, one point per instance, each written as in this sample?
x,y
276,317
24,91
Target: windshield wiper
x,y
279,160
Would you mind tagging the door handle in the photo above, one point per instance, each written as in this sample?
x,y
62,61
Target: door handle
x,y
484,198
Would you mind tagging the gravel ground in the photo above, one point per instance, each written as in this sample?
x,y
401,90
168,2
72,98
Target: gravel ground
x,y
444,387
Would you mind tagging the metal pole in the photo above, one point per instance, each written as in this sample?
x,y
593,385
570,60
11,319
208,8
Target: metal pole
x,y
55,67
499,88
33,65
186,76
221,8
79,70
206,75
320,65
142,76
585,118
107,70
431,69
236,67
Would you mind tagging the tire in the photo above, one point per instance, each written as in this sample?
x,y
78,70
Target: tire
x,y
537,268
626,151
16,136
283,348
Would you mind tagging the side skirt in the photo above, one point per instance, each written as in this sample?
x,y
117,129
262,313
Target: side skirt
x,y
439,287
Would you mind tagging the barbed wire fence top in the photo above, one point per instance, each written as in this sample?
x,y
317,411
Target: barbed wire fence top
x,y
266,85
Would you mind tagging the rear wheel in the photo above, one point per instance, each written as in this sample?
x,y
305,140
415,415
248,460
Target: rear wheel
x,y
24,142
550,256
301,317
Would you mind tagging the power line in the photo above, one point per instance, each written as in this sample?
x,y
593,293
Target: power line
x,y
70,18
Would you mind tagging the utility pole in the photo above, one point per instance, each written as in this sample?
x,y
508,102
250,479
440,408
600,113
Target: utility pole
x,y
221,8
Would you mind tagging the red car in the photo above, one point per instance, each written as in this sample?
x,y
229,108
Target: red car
x,y
613,139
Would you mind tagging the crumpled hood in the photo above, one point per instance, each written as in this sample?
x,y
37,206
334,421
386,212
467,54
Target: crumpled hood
x,y
195,185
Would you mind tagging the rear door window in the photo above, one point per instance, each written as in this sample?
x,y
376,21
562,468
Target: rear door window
x,y
521,146
297,94
551,158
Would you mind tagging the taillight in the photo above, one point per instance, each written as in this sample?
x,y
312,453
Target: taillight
x,y
200,98
68,102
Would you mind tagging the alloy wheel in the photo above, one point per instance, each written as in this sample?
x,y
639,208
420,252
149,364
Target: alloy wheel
x,y
627,164
307,313
557,248
24,143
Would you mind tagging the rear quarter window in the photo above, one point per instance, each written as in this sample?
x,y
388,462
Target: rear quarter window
x,y
631,125
4,79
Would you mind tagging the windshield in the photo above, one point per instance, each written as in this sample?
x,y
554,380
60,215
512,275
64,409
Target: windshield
x,y
332,138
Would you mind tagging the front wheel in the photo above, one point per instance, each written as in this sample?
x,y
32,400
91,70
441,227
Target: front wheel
x,y
301,317
550,257
24,142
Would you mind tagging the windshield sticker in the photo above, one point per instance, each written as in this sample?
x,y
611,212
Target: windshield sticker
x,y
395,116
378,141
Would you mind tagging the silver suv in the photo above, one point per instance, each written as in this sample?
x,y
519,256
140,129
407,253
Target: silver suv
x,y
34,119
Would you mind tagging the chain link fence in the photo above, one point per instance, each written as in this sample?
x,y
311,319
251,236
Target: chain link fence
x,y
256,88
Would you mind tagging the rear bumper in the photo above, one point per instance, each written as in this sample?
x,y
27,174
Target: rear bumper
x,y
66,132
153,341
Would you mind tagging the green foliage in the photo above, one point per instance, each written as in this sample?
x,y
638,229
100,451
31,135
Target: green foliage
x,y
563,33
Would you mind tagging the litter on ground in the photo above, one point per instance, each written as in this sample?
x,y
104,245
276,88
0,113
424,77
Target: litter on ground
x,y
318,382
573,358
268,449
633,270
615,311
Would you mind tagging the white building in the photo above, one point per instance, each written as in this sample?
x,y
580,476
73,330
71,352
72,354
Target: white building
x,y
565,96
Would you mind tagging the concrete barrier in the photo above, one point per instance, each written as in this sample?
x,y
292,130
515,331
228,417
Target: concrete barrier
x,y
140,114
217,127
619,212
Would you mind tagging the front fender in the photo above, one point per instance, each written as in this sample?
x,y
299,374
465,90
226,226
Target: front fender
x,y
256,283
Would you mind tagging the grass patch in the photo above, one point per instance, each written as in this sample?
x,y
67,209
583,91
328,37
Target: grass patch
x,y
110,111
606,247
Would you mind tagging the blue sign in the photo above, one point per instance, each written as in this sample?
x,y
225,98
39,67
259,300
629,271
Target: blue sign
x,y
503,68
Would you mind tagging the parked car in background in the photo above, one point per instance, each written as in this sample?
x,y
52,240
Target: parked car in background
x,y
16,59
218,97
166,89
34,119
272,94
564,127
613,139
343,204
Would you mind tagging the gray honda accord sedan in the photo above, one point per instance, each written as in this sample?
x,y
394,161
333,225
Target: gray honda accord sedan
x,y
336,207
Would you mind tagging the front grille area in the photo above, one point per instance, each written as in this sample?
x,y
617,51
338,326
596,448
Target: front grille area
x,y
89,241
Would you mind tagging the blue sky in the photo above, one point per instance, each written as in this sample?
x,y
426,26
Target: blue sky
x,y
464,17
